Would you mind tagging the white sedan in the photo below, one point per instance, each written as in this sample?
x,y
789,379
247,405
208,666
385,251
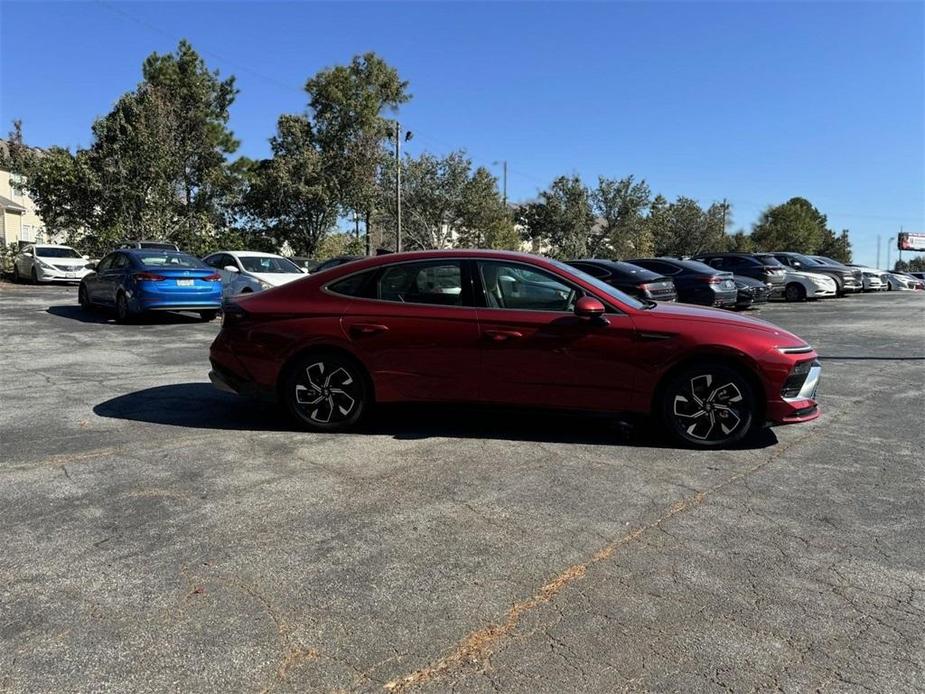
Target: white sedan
x,y
43,262
799,286
252,271
898,281
873,279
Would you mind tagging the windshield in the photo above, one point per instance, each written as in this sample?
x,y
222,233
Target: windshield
x,y
602,287
805,259
170,260
830,261
769,260
56,252
259,263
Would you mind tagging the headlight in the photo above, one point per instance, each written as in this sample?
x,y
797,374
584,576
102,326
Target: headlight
x,y
824,282
264,285
43,264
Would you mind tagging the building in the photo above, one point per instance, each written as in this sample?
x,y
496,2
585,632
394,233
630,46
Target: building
x,y
19,222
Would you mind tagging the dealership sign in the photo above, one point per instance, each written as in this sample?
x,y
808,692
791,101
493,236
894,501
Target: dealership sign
x,y
910,242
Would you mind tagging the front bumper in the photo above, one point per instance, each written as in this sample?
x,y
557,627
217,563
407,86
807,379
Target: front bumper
x,y
45,275
801,407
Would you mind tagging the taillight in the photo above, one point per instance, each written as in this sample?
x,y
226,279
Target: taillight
x,y
712,279
148,277
214,277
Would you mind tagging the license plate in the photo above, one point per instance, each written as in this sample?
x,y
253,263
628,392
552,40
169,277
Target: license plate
x,y
184,283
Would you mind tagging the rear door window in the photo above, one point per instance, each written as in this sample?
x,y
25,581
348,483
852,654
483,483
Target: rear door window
x,y
436,282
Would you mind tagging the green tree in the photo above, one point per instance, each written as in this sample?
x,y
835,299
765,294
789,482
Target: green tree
x,y
741,242
485,222
793,226
620,230
685,228
562,218
347,103
433,190
290,195
837,247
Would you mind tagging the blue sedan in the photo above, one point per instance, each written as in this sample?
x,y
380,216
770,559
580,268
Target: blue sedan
x,y
133,281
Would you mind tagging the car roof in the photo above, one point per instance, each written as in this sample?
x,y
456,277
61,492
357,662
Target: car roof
x,y
250,254
149,251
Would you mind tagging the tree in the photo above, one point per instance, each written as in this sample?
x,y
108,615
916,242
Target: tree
x,y
837,247
485,222
794,226
620,230
157,165
684,228
740,242
916,264
432,199
561,219
290,195
346,104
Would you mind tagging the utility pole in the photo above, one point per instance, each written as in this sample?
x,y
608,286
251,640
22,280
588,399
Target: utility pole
x,y
889,247
878,251
398,138
725,207
398,186
503,179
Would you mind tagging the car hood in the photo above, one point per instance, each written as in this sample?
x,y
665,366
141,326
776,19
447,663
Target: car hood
x,y
811,276
69,262
277,279
683,313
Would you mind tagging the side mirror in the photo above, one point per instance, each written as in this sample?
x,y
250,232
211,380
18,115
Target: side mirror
x,y
85,257
588,307
304,270
230,268
796,263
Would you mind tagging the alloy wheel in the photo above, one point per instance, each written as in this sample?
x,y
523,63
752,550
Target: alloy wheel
x,y
121,308
82,298
326,392
709,406
794,292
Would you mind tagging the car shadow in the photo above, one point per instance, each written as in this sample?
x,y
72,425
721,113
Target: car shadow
x,y
102,316
201,406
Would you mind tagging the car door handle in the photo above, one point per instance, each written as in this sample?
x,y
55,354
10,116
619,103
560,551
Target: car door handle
x,y
368,328
502,335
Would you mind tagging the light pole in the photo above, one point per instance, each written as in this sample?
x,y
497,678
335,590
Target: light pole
x,y
889,247
503,179
398,139
878,251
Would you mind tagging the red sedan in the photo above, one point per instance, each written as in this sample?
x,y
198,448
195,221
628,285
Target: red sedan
x,y
508,329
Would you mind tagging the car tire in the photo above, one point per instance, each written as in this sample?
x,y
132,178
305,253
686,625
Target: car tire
x,y
35,276
795,292
206,316
123,313
710,405
83,298
326,391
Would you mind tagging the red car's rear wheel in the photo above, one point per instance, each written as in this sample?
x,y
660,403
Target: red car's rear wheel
x,y
709,405
326,391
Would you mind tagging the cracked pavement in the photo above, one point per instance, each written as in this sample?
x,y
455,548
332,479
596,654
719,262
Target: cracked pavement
x,y
159,535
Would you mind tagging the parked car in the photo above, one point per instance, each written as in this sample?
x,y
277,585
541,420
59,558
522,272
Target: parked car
x,y
917,277
764,268
695,282
157,245
847,280
252,271
632,279
872,279
337,261
750,292
308,264
45,262
900,281
508,329
134,281
800,286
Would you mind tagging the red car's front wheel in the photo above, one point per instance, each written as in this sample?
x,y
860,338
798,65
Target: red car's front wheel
x,y
326,392
708,406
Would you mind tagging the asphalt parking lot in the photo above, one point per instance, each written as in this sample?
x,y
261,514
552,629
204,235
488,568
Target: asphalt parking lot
x,y
159,535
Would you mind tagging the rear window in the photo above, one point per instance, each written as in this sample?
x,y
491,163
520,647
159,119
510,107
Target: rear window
x,y
696,266
169,260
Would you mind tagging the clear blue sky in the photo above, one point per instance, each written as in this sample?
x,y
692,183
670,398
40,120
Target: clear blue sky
x,y
753,102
